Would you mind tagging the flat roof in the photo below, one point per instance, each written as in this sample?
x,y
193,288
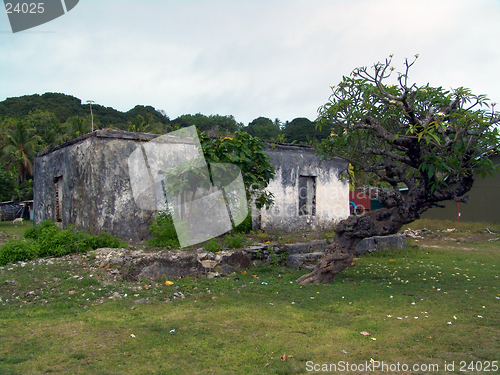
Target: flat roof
x,y
102,133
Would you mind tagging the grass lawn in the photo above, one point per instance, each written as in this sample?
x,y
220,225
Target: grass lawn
x,y
435,303
15,229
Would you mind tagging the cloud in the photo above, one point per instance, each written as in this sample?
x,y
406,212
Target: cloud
x,y
248,58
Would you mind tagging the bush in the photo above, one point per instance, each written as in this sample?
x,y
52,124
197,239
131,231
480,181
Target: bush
x,y
234,242
245,226
46,239
212,246
18,250
164,231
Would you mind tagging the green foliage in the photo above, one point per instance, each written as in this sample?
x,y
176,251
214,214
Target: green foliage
x,y
63,106
46,239
18,250
212,246
8,184
249,155
215,125
235,241
163,230
66,106
264,128
46,126
146,124
276,259
245,226
77,125
304,131
20,145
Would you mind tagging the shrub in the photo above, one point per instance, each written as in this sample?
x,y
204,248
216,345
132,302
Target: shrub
x,y
245,226
234,242
46,239
212,246
163,231
18,250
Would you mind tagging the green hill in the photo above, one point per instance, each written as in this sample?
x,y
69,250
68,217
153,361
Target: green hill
x,y
65,106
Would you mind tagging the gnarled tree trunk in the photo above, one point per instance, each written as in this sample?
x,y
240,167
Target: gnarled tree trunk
x,y
341,252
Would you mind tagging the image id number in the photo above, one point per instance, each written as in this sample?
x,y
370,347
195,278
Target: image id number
x,y
24,8
479,366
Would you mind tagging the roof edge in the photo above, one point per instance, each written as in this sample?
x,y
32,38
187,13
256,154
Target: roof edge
x,y
102,133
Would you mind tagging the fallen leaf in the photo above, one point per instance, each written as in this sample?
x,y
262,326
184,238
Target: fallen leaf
x,y
147,287
168,282
254,276
285,357
71,292
364,333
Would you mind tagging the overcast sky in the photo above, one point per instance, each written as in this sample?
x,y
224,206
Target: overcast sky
x,y
246,58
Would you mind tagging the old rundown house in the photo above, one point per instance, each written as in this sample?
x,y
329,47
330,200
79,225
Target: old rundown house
x,y
85,182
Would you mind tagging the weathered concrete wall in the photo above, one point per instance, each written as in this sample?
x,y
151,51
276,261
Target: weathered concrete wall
x,y
331,195
96,192
89,177
483,205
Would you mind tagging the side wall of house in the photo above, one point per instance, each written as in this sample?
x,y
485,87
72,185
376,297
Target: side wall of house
x,y
483,205
88,182
307,194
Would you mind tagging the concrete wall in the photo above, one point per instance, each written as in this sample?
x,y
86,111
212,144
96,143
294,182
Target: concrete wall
x,y
96,194
86,183
331,196
483,205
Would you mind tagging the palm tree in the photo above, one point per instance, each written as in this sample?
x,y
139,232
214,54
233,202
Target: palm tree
x,y
143,124
19,148
77,125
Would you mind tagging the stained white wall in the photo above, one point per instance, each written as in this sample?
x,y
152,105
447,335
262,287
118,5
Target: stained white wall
x,y
332,195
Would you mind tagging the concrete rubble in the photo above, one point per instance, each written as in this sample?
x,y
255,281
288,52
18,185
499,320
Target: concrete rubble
x,y
163,264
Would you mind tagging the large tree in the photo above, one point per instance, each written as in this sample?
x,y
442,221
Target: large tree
x,y
426,139
264,128
19,148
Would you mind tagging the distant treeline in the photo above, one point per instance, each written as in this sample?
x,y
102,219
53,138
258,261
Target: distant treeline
x,y
31,123
64,108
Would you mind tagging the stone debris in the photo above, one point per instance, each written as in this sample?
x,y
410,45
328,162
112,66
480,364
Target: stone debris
x,y
138,264
413,233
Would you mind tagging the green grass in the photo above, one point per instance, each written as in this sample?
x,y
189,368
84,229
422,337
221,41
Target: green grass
x,y
54,322
475,227
15,229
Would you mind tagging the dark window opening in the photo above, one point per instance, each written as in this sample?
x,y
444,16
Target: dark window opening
x,y
307,195
58,199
